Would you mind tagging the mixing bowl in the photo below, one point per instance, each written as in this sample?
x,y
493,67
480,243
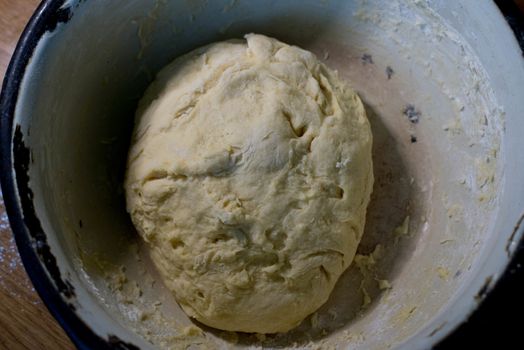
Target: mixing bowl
x,y
443,85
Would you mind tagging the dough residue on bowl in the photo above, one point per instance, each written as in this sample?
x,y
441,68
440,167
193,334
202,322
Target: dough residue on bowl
x,y
249,176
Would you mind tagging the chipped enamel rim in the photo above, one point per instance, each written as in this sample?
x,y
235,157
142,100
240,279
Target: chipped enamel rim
x,y
46,17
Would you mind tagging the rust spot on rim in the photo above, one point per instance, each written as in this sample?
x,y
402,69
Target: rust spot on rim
x,y
483,291
513,234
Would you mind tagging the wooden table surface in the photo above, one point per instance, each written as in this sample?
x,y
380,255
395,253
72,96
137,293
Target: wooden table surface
x,y
25,322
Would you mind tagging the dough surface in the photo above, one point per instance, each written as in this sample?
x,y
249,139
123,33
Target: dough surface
x,y
248,176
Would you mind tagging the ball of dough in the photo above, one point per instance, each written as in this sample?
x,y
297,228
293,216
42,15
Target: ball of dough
x,y
248,176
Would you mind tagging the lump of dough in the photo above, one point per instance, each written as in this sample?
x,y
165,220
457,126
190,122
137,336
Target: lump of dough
x,y
248,176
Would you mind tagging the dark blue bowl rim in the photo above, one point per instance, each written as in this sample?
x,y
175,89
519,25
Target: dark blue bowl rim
x,y
45,18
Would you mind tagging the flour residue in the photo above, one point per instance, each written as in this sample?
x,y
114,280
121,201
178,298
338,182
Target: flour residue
x,y
10,263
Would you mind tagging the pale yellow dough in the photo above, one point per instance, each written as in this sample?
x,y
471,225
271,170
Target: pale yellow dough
x,y
249,175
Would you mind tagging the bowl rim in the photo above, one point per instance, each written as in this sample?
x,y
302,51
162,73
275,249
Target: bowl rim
x,y
48,15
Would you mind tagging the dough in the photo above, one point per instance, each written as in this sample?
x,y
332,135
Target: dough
x,y
248,177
